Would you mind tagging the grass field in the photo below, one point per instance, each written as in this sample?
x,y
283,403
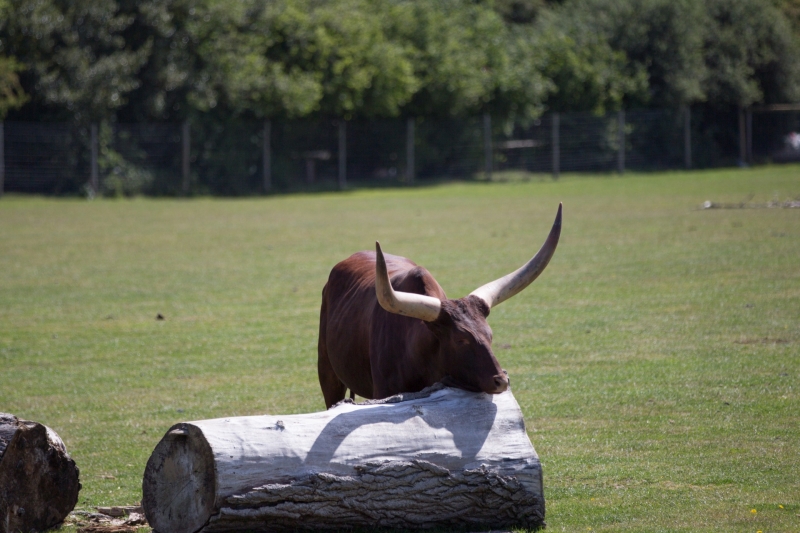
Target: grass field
x,y
657,360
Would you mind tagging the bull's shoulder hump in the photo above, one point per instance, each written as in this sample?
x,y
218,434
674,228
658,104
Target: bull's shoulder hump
x,y
405,274
418,280
358,270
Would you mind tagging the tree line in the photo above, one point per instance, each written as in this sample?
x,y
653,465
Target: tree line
x,y
168,60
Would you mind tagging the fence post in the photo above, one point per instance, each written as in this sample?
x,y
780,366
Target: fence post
x,y
410,150
94,177
487,144
687,137
342,154
742,138
749,130
267,156
556,125
621,141
185,137
2,159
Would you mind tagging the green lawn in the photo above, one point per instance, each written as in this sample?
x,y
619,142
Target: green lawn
x,y
657,360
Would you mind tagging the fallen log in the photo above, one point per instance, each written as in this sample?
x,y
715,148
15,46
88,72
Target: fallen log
x,y
439,458
38,480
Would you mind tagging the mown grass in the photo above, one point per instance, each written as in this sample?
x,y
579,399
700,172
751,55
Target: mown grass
x,y
656,361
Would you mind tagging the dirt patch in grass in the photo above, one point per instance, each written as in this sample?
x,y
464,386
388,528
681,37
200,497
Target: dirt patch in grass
x,y
763,340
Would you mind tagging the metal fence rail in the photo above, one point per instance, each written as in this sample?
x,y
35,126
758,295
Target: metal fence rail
x,y
240,157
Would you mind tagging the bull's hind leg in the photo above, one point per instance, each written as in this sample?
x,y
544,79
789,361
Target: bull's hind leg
x,y
332,388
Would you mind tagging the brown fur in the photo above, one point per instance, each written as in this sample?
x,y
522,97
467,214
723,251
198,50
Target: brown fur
x,y
376,354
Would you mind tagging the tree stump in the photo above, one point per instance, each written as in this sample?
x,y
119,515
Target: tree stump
x,y
38,479
443,457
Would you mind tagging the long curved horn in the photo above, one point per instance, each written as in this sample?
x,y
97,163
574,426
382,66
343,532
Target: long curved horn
x,y
402,303
504,288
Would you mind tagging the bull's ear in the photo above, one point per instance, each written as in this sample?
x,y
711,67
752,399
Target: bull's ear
x,y
402,303
504,288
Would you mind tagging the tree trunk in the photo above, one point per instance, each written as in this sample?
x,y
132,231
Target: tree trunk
x,y
439,458
38,479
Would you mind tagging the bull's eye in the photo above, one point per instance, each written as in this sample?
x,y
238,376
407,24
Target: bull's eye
x,y
463,342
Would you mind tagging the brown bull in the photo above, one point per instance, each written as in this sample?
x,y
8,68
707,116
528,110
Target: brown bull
x,y
386,326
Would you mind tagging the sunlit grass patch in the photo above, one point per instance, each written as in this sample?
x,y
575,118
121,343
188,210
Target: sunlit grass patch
x,y
656,360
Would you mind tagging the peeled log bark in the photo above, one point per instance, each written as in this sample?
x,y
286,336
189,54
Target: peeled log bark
x,y
439,458
38,479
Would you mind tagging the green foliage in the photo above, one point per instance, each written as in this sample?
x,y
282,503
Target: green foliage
x,y
726,52
587,73
630,39
173,78
246,67
751,54
12,96
522,82
462,56
129,61
665,38
294,58
77,53
363,71
791,10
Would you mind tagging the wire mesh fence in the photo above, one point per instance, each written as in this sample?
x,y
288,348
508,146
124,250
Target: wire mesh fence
x,y
241,157
775,135
140,157
43,158
527,147
656,140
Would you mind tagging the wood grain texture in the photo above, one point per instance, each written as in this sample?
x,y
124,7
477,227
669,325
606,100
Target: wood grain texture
x,y
39,482
8,428
443,457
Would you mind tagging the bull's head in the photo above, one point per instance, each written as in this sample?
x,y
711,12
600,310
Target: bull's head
x,y
465,338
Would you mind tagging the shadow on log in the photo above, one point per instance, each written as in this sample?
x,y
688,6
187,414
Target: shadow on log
x,y
442,457
38,479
